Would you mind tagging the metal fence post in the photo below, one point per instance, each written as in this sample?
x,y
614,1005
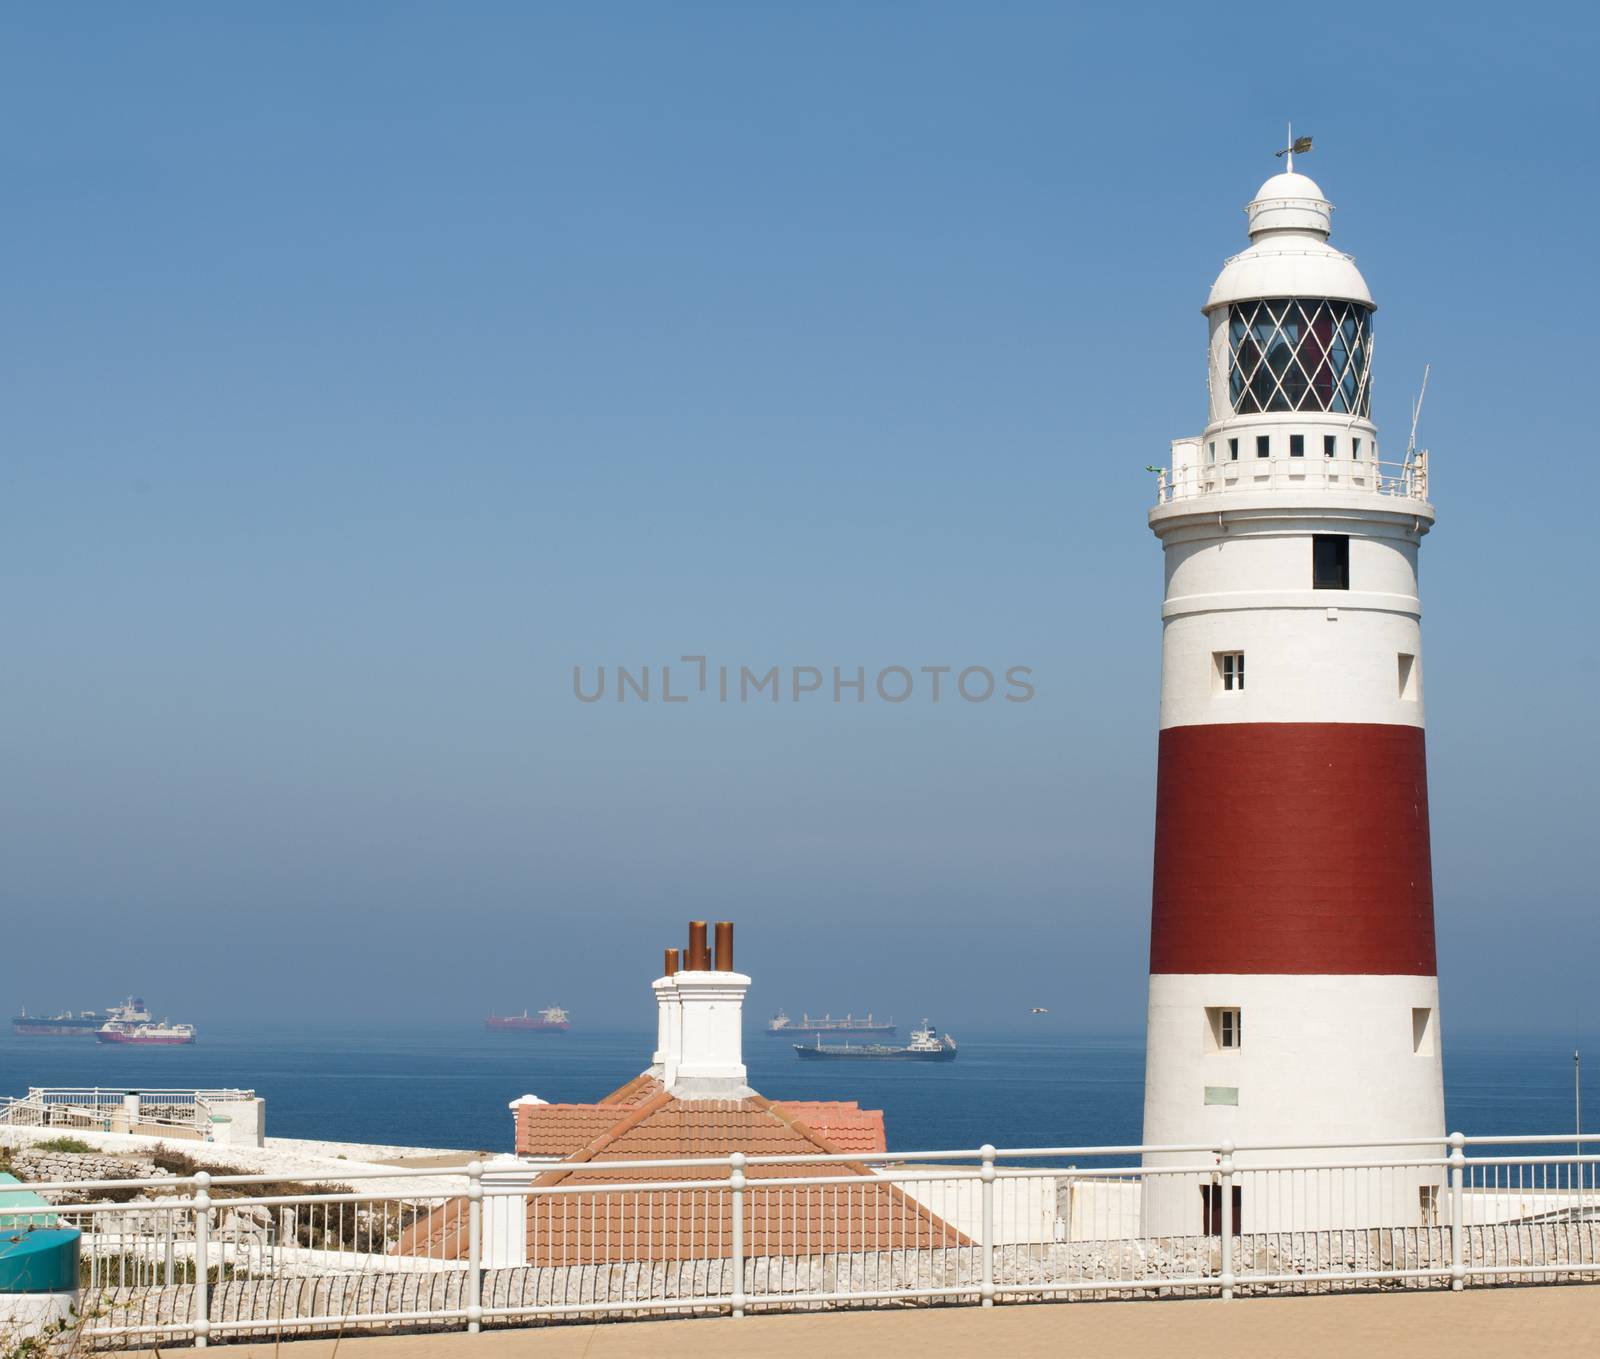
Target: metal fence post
x,y
736,1184
986,1245
1458,1161
1225,1164
474,1246
202,1259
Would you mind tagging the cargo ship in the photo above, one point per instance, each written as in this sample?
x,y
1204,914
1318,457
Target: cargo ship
x,y
67,1024
781,1026
551,1019
925,1046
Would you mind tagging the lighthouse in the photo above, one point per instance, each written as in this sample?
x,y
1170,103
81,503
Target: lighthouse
x,y
1294,995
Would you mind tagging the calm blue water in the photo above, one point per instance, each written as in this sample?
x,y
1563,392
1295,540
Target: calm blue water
x,y
449,1086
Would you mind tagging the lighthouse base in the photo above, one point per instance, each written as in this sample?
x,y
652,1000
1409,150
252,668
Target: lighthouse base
x,y
1227,1061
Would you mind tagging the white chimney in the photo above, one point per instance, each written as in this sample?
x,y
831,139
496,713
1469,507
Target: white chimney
x,y
701,1018
669,1026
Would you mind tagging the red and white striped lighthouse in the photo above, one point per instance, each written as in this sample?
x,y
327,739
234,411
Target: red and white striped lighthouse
x,y
1293,990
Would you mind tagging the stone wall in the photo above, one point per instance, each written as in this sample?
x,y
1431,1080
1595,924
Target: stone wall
x,y
60,1167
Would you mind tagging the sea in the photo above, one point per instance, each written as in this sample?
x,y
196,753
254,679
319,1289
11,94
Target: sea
x,y
447,1085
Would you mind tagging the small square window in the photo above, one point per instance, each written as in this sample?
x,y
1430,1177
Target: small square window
x,y
1229,670
1330,445
1297,445
1232,1031
1263,445
1233,450
1410,679
1226,1026
1355,448
1330,561
1422,1031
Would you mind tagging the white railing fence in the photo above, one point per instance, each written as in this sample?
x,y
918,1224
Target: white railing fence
x,y
98,1109
516,1243
1406,480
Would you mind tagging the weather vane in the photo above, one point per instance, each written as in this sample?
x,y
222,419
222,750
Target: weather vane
x,y
1301,144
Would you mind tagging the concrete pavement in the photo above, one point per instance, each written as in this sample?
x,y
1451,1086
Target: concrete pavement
x,y
1528,1323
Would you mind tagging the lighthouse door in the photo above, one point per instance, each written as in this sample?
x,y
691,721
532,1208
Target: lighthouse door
x,y
1211,1209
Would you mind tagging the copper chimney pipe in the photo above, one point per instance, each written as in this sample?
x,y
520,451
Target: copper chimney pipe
x,y
670,967
699,959
724,961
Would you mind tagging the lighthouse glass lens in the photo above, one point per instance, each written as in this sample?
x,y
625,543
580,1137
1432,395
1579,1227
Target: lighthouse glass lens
x,y
1299,354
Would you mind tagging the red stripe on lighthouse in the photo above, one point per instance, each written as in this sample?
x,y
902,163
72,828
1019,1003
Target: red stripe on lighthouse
x,y
1292,847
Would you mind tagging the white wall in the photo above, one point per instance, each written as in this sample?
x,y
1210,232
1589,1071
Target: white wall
x,y
1323,1058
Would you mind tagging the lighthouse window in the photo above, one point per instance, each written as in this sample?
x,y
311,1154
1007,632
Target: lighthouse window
x,y
1230,669
1355,448
1211,451
1233,450
1263,445
1299,354
1410,682
1297,445
1226,1024
1330,445
1422,1031
1330,561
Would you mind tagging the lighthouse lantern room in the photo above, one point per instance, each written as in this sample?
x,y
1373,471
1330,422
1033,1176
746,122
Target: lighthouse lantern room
x,y
1293,992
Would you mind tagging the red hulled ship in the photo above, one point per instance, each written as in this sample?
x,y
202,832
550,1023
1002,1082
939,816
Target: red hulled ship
x,y
130,1025
551,1019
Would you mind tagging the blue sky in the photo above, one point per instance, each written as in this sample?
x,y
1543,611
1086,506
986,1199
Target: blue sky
x,y
369,367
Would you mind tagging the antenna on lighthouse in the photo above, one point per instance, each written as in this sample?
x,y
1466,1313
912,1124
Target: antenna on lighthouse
x,y
1416,412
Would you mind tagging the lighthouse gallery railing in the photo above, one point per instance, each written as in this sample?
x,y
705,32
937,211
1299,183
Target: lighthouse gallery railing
x,y
1363,476
501,1244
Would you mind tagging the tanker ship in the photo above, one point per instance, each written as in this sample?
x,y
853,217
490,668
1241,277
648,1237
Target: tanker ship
x,y
67,1024
925,1046
781,1026
82,1023
550,1019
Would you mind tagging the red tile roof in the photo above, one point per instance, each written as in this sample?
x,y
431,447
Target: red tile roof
x,y
642,1087
843,1122
562,1129
860,1212
643,1121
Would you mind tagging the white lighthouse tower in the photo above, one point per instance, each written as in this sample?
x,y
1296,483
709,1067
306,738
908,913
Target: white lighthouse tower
x,y
1293,991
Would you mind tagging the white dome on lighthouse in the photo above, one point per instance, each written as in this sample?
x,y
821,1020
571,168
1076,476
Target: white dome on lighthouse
x,y
1290,202
1289,254
1290,184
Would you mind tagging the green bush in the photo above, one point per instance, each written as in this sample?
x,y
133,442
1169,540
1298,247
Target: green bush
x,y
63,1144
